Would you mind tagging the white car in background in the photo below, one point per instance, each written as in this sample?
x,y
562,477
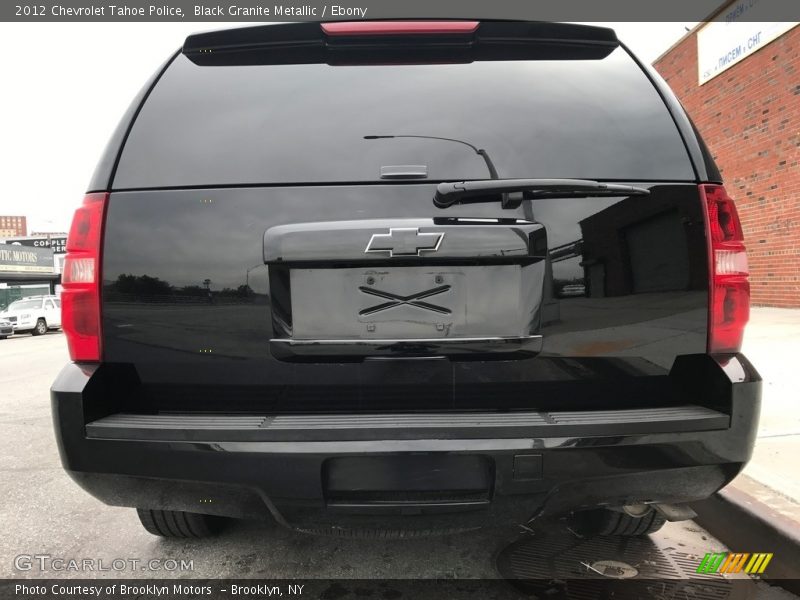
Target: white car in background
x,y
6,329
36,314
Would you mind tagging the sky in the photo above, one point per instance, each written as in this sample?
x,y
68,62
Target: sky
x,y
65,87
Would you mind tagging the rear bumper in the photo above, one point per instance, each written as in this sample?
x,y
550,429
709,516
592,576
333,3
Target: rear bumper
x,y
457,470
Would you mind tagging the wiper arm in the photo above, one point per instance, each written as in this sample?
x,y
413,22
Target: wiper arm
x,y
493,190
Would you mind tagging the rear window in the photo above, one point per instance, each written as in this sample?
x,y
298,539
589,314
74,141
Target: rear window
x,y
599,118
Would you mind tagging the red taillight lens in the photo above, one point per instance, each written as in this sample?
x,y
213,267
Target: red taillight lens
x,y
729,289
80,298
350,28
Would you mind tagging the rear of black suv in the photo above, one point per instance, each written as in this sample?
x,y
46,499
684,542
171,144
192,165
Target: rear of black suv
x,y
396,277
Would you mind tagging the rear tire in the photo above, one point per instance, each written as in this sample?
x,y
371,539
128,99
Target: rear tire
x,y
602,521
41,327
178,524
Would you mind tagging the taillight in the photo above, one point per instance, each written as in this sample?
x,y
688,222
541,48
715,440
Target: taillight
x,y
80,279
729,289
351,28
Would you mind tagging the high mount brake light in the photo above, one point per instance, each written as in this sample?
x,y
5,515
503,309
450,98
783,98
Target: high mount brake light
x,y
729,289
352,28
80,297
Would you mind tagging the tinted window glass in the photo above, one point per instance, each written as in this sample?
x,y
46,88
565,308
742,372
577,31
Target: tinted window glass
x,y
209,125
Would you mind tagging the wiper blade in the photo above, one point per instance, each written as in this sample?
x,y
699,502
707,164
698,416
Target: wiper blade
x,y
516,190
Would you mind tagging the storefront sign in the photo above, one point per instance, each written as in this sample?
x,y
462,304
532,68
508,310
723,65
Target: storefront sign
x,y
735,34
25,259
57,244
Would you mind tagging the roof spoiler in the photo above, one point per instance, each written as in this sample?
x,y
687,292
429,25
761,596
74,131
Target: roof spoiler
x,y
310,35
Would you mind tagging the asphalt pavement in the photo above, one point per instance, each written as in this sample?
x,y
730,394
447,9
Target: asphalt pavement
x,y
43,513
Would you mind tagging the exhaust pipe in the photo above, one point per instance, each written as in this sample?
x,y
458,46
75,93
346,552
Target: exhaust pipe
x,y
671,512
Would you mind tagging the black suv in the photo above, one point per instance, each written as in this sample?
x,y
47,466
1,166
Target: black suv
x,y
400,277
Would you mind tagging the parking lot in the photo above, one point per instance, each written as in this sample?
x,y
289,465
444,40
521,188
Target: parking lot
x,y
45,513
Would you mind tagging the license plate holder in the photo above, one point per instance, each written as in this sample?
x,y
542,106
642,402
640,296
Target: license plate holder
x,y
405,302
434,297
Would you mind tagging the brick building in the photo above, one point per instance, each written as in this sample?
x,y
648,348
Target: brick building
x,y
748,111
12,226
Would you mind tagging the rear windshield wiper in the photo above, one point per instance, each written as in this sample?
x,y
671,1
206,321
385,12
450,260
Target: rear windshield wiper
x,y
511,192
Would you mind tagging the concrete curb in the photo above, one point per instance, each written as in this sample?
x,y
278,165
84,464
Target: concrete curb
x,y
744,523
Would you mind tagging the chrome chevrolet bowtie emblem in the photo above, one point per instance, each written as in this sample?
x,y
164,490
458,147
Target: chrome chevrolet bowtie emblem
x,y
404,241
